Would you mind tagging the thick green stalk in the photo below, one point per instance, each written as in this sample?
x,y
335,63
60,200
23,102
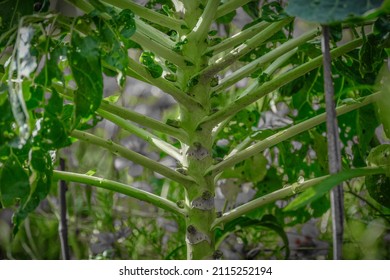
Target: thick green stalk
x,y
199,32
267,87
286,134
292,190
244,48
119,188
145,13
143,134
132,156
197,148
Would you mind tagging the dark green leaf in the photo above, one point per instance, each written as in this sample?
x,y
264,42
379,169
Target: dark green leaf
x,y
336,32
267,221
271,182
155,69
272,12
330,11
371,55
84,61
41,187
321,148
11,11
14,182
126,23
318,191
226,18
383,103
367,122
379,155
378,187
252,9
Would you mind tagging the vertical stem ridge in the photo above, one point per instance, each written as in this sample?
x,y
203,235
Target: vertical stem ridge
x,y
334,149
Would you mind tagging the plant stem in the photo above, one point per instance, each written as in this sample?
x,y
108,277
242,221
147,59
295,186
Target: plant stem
x,y
275,83
120,188
129,115
148,14
334,148
164,85
81,4
143,120
292,190
154,34
143,134
244,48
230,6
149,43
264,59
238,38
132,156
63,225
286,134
199,32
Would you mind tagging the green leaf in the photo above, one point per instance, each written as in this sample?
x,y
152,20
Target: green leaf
x,y
383,103
379,155
321,148
125,23
84,61
367,123
271,182
267,221
147,59
371,55
6,123
14,182
272,12
12,10
227,18
41,186
255,168
318,191
378,187
252,9
330,11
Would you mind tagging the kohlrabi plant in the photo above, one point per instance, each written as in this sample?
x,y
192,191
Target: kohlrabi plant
x,y
226,81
